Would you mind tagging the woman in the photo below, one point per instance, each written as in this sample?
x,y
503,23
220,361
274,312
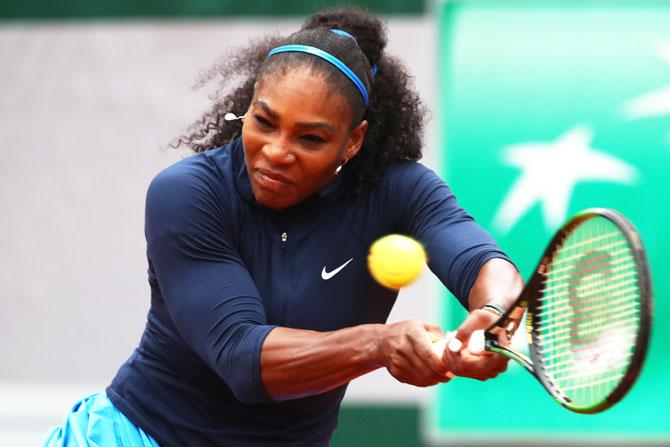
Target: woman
x,y
262,308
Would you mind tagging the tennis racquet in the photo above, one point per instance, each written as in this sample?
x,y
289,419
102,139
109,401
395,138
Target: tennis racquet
x,y
589,306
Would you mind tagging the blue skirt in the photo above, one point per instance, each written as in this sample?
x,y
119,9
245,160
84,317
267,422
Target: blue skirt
x,y
95,421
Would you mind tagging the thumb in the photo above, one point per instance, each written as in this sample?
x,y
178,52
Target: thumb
x,y
477,319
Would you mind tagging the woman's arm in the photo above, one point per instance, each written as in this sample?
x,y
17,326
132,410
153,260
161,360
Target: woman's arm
x,y
297,363
463,255
498,282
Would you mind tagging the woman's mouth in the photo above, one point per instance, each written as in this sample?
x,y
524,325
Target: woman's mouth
x,y
270,179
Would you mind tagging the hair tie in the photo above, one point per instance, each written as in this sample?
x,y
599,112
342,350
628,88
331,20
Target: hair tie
x,y
344,33
328,57
373,68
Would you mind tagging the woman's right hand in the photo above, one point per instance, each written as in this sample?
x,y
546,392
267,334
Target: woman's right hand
x,y
411,351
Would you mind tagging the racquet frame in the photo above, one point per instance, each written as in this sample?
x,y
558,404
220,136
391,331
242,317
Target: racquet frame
x,y
498,336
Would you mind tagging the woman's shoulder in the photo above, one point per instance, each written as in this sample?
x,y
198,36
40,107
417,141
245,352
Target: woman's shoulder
x,y
206,177
408,176
214,168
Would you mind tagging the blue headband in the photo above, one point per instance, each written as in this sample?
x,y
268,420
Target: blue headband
x,y
328,57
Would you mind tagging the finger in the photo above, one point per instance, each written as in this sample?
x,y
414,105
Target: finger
x,y
425,351
504,366
477,319
411,365
438,339
481,367
434,330
403,369
410,377
453,361
468,364
411,359
502,362
484,360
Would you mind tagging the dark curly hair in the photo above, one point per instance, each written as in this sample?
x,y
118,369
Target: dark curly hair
x,y
394,113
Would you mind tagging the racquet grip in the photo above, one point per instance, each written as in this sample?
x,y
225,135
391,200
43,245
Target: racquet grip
x,y
453,343
440,345
476,344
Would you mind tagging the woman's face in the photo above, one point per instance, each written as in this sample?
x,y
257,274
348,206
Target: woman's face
x,y
296,133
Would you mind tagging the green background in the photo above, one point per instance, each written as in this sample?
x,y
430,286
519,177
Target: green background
x,y
514,72
89,9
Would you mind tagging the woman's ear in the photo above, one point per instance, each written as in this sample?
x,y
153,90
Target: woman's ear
x,y
355,140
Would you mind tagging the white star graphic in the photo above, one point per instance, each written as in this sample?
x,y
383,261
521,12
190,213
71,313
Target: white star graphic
x,y
549,173
655,103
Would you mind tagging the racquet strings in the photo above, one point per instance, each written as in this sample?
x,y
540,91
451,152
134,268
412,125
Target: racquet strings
x,y
588,318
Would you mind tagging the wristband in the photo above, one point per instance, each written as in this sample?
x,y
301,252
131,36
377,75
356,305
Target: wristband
x,y
494,308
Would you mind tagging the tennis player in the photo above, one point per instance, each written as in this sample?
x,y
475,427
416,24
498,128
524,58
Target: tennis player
x,y
262,307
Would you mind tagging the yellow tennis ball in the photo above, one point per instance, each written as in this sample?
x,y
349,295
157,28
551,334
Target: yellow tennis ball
x,y
396,260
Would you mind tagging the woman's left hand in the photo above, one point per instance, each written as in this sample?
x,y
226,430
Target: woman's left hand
x,y
462,362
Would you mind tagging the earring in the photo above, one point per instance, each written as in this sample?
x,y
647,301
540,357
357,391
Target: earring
x,y
232,117
339,168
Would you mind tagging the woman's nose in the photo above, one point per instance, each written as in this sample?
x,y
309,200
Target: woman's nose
x,y
279,152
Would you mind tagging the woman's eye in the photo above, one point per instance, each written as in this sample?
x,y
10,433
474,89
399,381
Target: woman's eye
x,y
313,139
263,122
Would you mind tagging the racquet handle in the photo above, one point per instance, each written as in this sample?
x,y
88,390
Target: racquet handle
x,y
453,343
448,340
477,343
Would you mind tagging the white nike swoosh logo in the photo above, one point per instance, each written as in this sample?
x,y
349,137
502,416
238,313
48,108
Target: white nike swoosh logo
x,y
327,275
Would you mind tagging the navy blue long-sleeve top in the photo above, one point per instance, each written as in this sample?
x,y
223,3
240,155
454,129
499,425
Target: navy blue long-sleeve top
x,y
224,271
